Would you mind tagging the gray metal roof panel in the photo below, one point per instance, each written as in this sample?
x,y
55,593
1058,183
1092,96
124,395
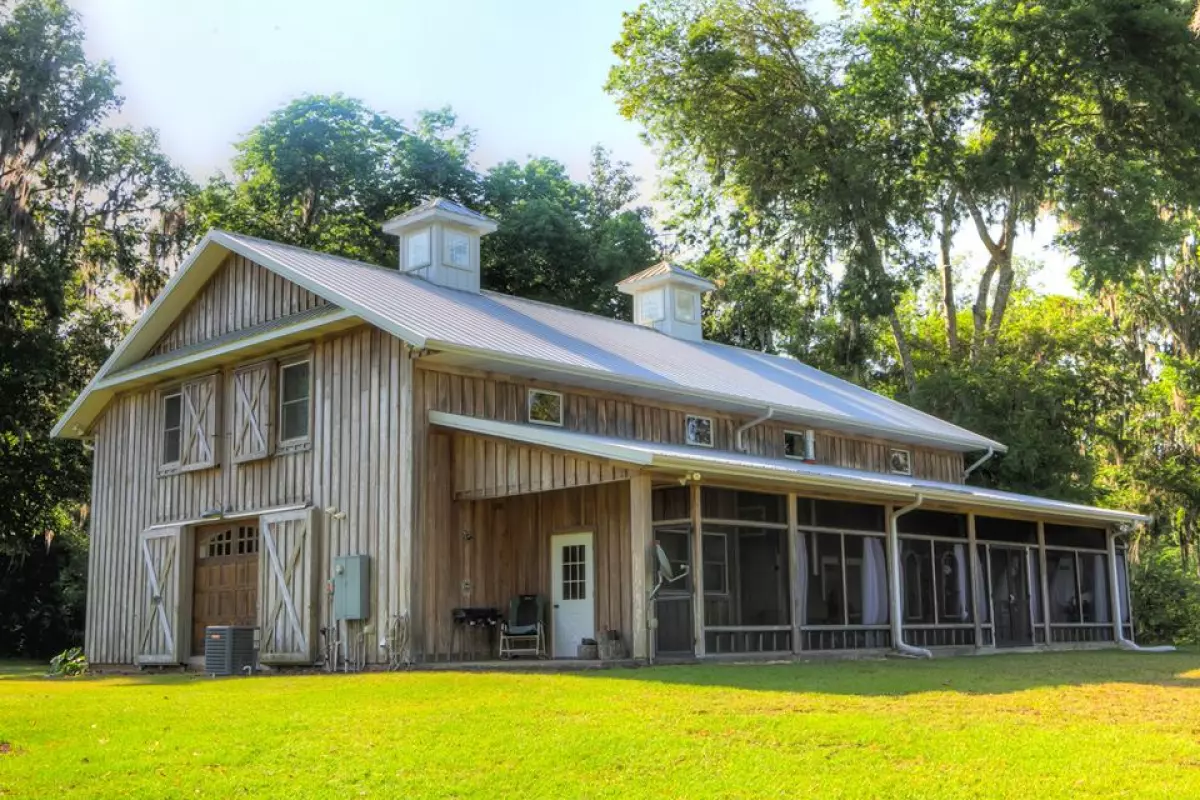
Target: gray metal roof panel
x,y
503,326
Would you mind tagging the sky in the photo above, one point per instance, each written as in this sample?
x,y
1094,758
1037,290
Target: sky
x,y
528,75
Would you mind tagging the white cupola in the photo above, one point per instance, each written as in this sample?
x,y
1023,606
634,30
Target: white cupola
x,y
667,297
439,241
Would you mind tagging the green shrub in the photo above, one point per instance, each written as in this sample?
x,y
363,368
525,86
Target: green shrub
x,y
1166,597
69,664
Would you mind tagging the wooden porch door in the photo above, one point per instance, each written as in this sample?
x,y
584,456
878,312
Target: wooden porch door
x,y
573,571
226,579
1010,594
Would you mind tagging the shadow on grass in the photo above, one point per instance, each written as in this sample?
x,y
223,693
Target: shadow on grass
x,y
993,674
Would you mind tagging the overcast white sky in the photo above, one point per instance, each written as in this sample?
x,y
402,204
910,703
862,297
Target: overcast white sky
x,y
528,75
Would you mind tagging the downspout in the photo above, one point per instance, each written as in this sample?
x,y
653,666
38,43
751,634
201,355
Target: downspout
x,y
737,436
1115,594
991,451
893,542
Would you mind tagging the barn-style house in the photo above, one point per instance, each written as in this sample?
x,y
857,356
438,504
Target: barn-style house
x,y
276,411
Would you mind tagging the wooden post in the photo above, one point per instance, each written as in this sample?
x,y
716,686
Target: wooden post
x,y
697,572
641,536
797,582
1044,579
973,560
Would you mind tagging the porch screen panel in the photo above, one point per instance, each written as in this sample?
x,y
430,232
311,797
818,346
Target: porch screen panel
x,y
952,576
1093,584
758,586
826,600
916,576
1064,589
983,589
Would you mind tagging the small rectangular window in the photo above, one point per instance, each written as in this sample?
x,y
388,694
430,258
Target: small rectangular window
x,y
650,306
685,305
172,427
545,408
900,461
699,431
294,401
458,249
417,247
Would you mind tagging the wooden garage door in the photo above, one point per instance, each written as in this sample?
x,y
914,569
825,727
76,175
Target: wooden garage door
x,y
226,584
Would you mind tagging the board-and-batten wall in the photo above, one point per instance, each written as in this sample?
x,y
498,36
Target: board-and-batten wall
x,y
625,417
350,466
241,294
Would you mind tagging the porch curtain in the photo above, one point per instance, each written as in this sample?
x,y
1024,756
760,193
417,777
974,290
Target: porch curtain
x,y
960,571
1035,588
1102,611
803,579
874,582
981,590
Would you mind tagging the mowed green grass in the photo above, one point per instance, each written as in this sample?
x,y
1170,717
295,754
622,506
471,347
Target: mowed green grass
x,y
1095,724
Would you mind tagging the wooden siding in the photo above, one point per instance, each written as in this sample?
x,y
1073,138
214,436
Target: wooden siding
x,y
500,398
493,468
240,295
350,467
488,551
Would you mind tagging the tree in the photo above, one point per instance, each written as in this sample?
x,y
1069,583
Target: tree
x,y
88,219
324,172
561,241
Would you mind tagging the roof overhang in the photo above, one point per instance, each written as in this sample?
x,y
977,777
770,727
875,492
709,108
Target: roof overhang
x,y
677,458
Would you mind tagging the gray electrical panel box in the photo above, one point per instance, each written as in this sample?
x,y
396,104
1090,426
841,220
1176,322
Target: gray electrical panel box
x,y
351,587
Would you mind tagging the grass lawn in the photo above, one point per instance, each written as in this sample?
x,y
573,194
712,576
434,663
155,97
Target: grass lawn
x,y
1067,725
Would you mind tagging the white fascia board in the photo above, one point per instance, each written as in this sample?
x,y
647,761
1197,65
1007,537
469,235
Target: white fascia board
x,y
807,416
136,373
544,437
645,284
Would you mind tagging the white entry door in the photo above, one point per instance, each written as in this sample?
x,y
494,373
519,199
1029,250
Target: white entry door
x,y
572,568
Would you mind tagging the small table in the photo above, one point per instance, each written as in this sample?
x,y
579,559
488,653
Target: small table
x,y
473,620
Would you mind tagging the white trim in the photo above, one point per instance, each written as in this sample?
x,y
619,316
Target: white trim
x,y
286,364
529,407
237,515
885,485
801,435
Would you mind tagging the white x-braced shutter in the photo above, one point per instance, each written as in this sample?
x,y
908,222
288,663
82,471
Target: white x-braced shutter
x,y
287,587
252,412
201,403
161,638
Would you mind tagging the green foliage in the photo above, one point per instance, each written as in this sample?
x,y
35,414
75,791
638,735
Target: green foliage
x,y
70,663
1166,597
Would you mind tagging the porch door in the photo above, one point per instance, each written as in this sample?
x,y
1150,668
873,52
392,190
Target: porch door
x,y
573,571
1010,593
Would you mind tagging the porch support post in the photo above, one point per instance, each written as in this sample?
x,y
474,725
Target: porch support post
x,y
1044,580
891,548
697,572
640,536
797,585
973,561
1114,595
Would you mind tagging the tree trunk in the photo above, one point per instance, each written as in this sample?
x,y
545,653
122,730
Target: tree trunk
x,y
979,310
906,362
1004,282
951,308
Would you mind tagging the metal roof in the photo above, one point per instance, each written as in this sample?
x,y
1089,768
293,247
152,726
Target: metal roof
x,y
535,339
688,459
659,273
440,206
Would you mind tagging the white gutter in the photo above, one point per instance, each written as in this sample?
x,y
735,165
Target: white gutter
x,y
991,451
893,542
1114,585
737,436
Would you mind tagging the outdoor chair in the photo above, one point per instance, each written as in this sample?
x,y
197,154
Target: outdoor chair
x,y
522,632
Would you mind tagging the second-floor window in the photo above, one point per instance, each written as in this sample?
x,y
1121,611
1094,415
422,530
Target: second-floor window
x,y
294,401
545,408
172,427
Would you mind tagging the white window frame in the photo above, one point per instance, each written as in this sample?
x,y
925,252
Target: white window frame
x,y
659,293
529,397
692,314
447,236
687,431
306,439
427,236
908,459
163,396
